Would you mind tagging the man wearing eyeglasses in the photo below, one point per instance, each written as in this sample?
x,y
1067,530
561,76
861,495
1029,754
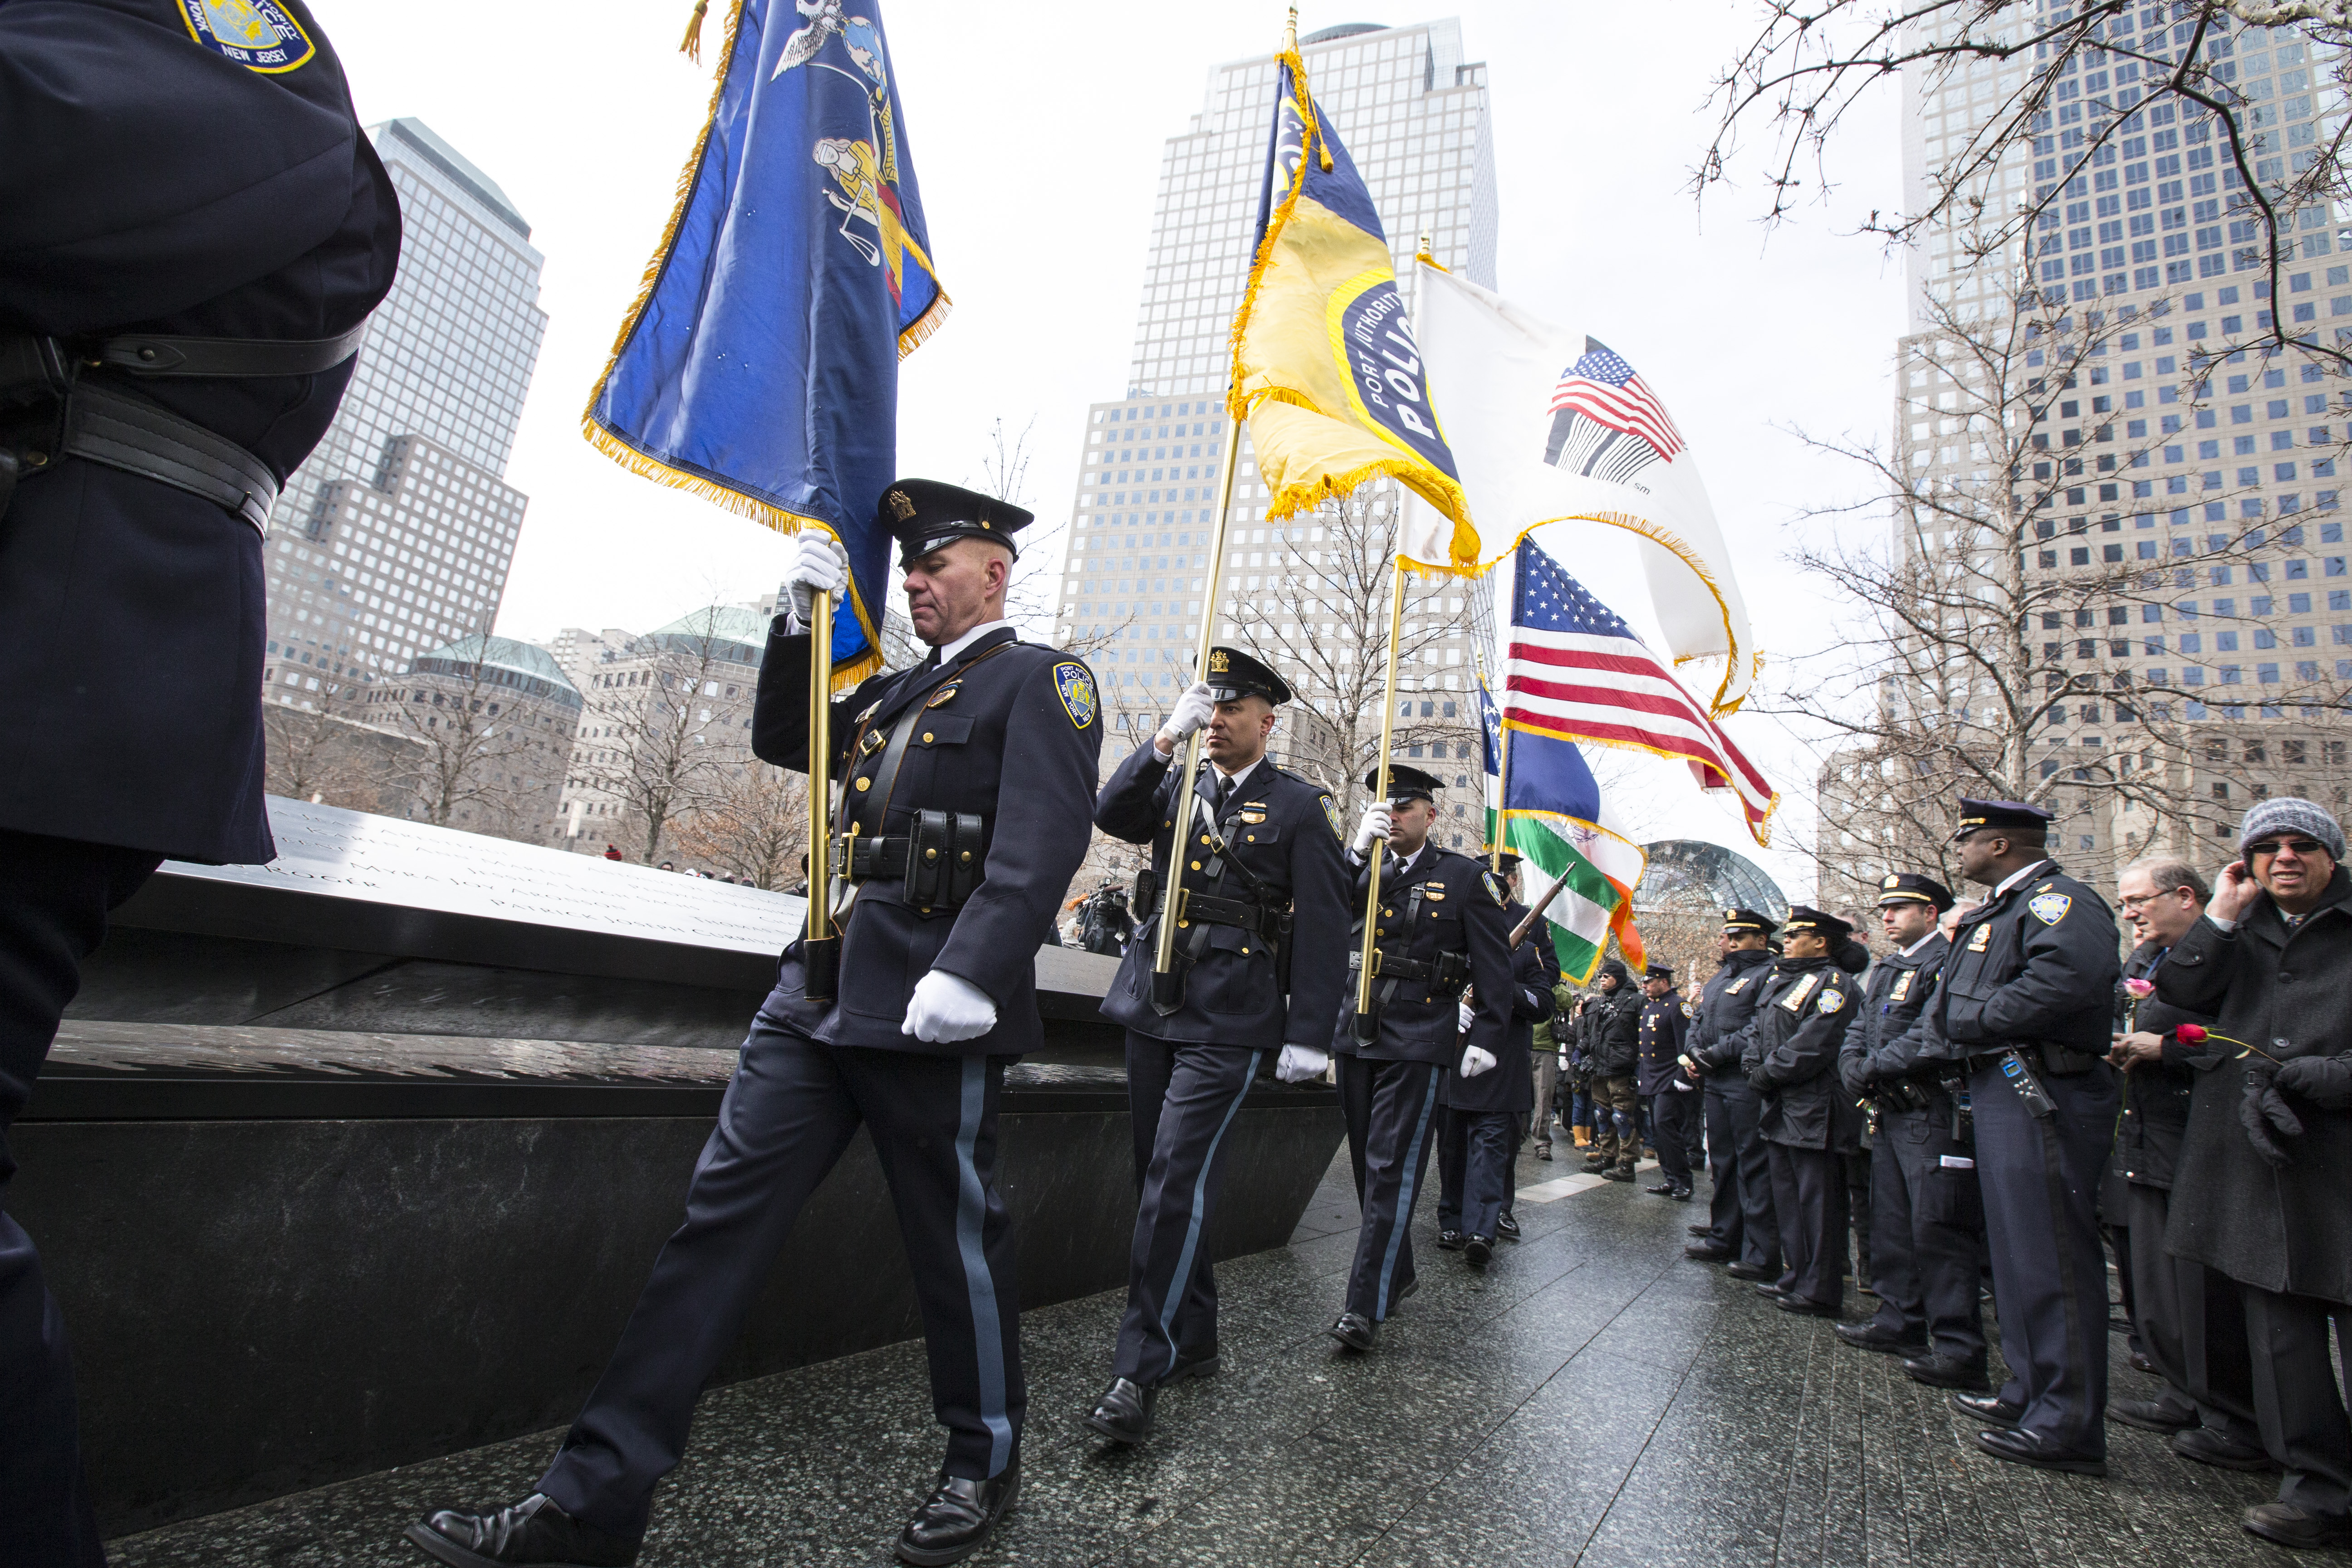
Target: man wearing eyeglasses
x,y
2267,1161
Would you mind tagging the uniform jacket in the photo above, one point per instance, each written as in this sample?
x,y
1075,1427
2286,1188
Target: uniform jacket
x,y
1895,995
1279,829
1616,1019
1726,1004
1446,903
1509,1086
148,182
2286,1230
1010,729
1663,1028
1790,1051
2034,966
2157,1094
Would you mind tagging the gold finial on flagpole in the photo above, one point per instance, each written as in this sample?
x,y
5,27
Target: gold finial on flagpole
x,y
1290,34
1422,254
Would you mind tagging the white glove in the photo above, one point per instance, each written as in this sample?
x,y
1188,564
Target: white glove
x,y
1193,712
1475,1061
1298,1063
1462,1015
1377,821
946,1008
1563,1061
818,566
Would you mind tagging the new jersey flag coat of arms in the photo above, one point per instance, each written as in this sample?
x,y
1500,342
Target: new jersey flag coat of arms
x,y
759,367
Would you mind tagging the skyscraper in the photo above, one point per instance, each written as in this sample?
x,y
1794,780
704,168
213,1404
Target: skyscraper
x,y
1412,113
395,536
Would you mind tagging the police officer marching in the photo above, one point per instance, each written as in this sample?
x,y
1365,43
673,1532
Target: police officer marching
x,y
2023,1009
969,782
1261,930
1440,925
1927,1221
1659,1078
1740,1229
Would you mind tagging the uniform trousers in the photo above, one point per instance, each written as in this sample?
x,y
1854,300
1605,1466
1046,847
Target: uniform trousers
x,y
2296,1404
1181,1102
1616,1137
1390,1109
1927,1233
1855,1164
1740,1211
2040,1179
1809,1203
54,894
787,1116
1547,1072
1672,1113
1474,1168
2192,1325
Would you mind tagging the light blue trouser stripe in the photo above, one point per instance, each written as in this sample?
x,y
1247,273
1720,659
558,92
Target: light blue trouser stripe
x,y
1183,1279
1403,1215
971,1212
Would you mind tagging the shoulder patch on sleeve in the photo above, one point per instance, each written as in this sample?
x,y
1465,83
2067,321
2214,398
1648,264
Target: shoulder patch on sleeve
x,y
1689,1009
259,35
1495,888
1331,815
1075,686
2050,908
1832,1000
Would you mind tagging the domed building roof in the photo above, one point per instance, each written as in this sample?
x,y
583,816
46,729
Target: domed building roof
x,y
503,661
732,631
1688,874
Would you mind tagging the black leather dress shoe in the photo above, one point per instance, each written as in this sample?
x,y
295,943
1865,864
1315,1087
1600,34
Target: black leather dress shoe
x,y
2150,1415
1870,1335
957,1519
1354,1330
1506,1226
1406,1290
1989,1408
2019,1447
1123,1413
1700,1229
2208,1446
533,1531
1751,1271
1806,1307
2139,1363
1201,1363
1479,1252
1543,1151
1449,1241
1940,1371
1680,1195
1660,1189
1707,1252
2291,1526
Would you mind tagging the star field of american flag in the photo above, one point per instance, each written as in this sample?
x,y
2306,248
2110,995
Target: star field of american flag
x,y
1601,388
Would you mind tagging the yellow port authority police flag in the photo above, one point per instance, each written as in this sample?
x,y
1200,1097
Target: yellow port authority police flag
x,y
1326,370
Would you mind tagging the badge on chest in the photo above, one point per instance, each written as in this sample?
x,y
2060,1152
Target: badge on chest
x,y
1980,939
1902,985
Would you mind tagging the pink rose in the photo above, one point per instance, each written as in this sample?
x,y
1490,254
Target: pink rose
x,y
2140,987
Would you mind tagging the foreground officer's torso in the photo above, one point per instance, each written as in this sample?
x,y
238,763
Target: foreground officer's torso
x,y
1444,904
2034,966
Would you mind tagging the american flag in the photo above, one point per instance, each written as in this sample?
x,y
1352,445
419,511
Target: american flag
x,y
1606,422
1577,673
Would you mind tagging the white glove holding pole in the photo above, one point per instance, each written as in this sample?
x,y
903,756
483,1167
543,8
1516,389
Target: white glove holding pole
x,y
1298,1063
946,1008
1377,821
1475,1061
1463,1014
1193,712
818,566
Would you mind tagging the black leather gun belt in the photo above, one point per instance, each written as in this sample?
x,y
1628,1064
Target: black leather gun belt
x,y
1449,973
1250,917
937,866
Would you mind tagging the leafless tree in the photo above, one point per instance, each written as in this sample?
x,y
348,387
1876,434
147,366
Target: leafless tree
x,y
753,823
472,761
664,738
2060,91
321,751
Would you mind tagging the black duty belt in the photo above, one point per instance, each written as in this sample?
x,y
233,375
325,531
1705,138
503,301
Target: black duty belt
x,y
1451,970
2055,1060
937,866
124,431
1242,912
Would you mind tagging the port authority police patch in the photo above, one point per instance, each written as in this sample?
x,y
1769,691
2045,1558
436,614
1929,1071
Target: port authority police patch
x,y
1078,691
2050,908
259,35
1331,815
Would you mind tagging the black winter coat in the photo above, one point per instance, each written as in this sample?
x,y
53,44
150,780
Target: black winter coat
x,y
1616,1020
1789,1051
2288,1230
1726,1003
2157,1094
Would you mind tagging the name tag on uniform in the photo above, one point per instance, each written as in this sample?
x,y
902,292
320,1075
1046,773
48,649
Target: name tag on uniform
x,y
1957,1162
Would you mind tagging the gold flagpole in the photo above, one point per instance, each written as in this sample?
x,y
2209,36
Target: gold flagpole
x,y
1502,783
821,951
1388,738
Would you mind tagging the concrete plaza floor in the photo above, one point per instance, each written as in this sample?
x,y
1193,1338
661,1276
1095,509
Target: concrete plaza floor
x,y
1593,1398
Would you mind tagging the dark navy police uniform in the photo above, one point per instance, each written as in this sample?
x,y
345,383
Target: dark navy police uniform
x,y
1789,1054
1268,875
1481,1118
1741,1227
152,183
1664,1031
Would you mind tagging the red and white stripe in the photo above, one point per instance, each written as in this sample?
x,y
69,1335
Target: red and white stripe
x,y
1631,408
1614,692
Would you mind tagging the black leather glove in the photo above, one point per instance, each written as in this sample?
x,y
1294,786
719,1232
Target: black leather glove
x,y
2263,1108
1758,1077
2325,1081
1855,1073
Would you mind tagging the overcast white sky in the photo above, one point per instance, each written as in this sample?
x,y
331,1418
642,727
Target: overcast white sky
x,y
1036,134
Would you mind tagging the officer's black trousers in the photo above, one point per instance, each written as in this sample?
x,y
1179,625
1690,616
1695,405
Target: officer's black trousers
x,y
1389,1108
1927,1233
1672,1112
2295,1399
1475,1163
1809,1202
2192,1325
2040,1178
1742,1209
788,1115
1181,1102
55,894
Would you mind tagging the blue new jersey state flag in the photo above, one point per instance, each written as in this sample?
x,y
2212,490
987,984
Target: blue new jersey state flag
x,y
759,367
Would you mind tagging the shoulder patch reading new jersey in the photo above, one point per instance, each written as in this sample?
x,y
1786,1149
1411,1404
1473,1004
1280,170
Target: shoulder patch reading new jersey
x,y
1495,889
1832,1000
1331,815
259,35
1078,691
2050,908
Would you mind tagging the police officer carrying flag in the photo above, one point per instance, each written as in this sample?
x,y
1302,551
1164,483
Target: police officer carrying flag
x,y
1261,935
969,783
1440,925
2022,1010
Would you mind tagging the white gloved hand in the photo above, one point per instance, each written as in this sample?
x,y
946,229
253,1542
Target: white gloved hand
x,y
1563,1061
1377,821
1298,1063
818,564
1475,1061
1463,1014
946,1008
1193,712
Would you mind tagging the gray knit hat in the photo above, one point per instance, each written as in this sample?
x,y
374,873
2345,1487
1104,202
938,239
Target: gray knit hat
x,y
2291,813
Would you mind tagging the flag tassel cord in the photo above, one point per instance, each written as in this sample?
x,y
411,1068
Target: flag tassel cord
x,y
1380,792
822,952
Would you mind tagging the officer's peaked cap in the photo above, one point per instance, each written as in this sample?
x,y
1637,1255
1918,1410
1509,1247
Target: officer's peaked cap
x,y
1832,930
1406,783
924,514
1992,814
1911,888
1659,972
1234,674
1508,861
1740,922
